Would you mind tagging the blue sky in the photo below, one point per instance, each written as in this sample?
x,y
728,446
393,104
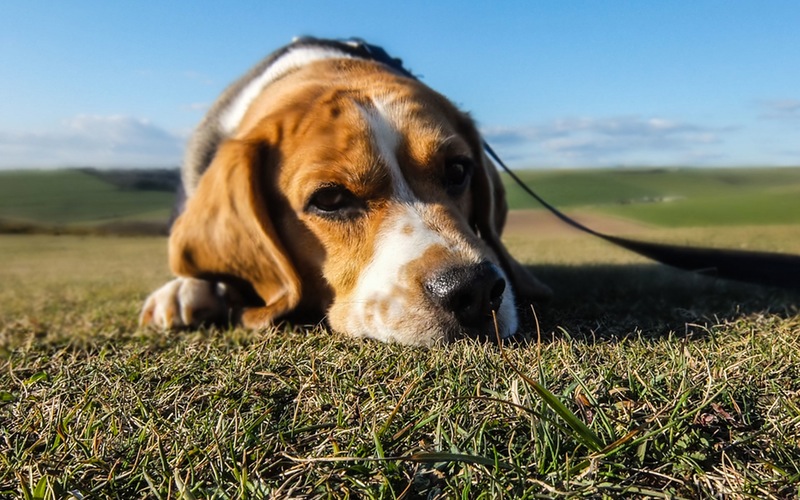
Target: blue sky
x,y
551,83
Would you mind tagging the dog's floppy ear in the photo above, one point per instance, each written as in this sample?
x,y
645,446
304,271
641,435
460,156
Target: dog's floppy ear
x,y
225,232
489,212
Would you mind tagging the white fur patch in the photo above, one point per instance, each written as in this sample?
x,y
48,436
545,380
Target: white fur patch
x,y
385,305
507,315
184,302
294,59
405,240
386,138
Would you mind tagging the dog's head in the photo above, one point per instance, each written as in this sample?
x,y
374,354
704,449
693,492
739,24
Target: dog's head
x,y
362,194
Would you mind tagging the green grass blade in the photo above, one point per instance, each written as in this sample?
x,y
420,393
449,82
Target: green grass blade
x,y
582,432
456,457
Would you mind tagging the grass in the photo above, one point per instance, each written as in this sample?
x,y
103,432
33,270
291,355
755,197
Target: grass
x,y
691,386
119,202
74,197
671,197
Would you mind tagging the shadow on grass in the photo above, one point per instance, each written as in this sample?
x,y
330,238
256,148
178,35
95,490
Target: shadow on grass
x,y
607,302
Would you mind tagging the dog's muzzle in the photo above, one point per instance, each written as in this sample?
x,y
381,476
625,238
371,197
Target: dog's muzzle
x,y
470,294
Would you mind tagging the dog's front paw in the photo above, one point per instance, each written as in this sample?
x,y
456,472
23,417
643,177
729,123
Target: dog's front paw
x,y
185,303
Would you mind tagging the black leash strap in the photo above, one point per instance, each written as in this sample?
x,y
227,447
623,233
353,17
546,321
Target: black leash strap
x,y
763,268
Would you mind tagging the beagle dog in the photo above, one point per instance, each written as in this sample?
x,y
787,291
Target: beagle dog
x,y
326,183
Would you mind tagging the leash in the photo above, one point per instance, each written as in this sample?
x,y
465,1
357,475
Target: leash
x,y
762,268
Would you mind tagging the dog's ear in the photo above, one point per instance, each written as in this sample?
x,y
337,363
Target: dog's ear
x,y
489,217
226,232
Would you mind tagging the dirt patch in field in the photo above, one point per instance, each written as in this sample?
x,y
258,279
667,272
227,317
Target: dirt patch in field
x,y
546,224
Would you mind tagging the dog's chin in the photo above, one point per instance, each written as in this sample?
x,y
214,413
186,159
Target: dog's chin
x,y
444,331
493,328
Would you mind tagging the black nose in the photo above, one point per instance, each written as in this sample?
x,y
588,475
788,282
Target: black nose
x,y
469,292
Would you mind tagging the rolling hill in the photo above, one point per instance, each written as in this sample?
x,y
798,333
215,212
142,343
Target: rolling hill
x,y
131,201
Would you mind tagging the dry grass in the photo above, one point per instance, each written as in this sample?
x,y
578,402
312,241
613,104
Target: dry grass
x,y
696,381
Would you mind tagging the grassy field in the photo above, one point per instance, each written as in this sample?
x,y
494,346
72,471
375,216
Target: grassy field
x,y
72,198
68,200
689,385
671,197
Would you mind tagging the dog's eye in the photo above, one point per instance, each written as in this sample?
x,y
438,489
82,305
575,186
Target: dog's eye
x,y
457,173
334,201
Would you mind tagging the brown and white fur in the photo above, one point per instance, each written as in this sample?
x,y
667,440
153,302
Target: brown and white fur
x,y
325,184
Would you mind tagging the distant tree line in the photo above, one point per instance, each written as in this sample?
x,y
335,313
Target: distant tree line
x,y
157,179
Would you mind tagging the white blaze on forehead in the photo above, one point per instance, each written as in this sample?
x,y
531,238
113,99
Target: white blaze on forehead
x,y
389,118
383,123
295,58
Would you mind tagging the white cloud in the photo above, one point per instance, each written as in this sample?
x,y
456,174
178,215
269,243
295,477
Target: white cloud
x,y
608,141
91,140
781,109
197,106
199,77
125,141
